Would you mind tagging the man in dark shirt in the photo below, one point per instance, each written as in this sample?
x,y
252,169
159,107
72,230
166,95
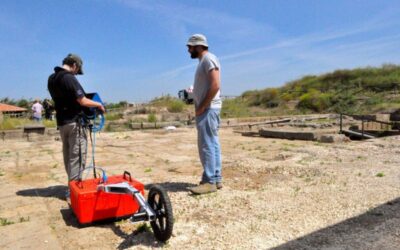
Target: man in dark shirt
x,y
48,109
69,100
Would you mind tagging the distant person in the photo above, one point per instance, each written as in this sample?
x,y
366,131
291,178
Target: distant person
x,y
207,101
37,110
69,99
48,109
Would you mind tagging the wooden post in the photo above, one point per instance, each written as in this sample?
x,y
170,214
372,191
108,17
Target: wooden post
x,y
362,126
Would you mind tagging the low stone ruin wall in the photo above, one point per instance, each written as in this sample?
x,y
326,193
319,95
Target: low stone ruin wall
x,y
27,135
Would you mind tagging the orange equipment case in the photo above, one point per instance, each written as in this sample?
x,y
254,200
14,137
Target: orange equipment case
x,y
90,204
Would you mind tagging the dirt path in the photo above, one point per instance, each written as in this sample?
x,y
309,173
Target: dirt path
x,y
277,193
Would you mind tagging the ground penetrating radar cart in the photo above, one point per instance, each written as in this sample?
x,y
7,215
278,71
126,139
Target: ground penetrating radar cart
x,y
120,196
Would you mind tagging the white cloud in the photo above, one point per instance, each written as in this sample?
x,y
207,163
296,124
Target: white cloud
x,y
185,17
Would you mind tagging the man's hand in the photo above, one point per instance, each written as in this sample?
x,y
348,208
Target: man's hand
x,y
86,102
200,111
102,109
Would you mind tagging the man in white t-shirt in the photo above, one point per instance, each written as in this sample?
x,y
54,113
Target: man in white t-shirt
x,y
37,109
207,102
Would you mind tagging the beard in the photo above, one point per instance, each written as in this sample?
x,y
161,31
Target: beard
x,y
194,54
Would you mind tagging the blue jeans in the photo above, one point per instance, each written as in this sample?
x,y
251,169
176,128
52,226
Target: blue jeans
x,y
37,119
207,125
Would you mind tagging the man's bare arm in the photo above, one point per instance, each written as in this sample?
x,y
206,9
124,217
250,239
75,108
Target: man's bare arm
x,y
214,78
86,102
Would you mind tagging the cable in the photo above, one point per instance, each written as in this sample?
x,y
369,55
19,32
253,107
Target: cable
x,y
104,175
94,127
97,125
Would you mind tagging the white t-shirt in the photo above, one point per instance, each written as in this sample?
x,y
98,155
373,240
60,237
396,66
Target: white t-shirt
x,y
202,83
37,109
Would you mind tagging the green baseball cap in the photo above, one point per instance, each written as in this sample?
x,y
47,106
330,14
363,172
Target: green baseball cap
x,y
73,58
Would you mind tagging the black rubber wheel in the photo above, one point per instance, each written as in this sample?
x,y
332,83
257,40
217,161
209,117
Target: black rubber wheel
x,y
163,224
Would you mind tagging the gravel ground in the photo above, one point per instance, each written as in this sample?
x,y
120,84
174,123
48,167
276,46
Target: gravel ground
x,y
277,193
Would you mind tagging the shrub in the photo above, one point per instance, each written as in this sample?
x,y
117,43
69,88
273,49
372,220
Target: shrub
x,y
287,97
252,97
5,222
374,100
50,123
344,102
269,97
13,123
113,116
152,118
315,100
234,108
121,104
175,106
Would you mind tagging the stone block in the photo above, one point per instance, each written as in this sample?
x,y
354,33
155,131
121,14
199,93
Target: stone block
x,y
333,138
291,135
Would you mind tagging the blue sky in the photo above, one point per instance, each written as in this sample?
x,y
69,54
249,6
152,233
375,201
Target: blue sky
x,y
135,50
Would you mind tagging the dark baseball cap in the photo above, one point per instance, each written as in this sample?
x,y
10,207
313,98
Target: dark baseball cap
x,y
73,58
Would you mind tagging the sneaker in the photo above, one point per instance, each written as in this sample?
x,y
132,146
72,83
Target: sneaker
x,y
219,184
204,188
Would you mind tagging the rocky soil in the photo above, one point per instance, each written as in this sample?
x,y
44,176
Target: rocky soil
x,y
277,193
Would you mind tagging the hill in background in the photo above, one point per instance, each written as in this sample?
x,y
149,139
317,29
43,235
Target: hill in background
x,y
356,91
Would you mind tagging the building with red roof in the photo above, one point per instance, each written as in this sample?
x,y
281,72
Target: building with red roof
x,y
12,110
